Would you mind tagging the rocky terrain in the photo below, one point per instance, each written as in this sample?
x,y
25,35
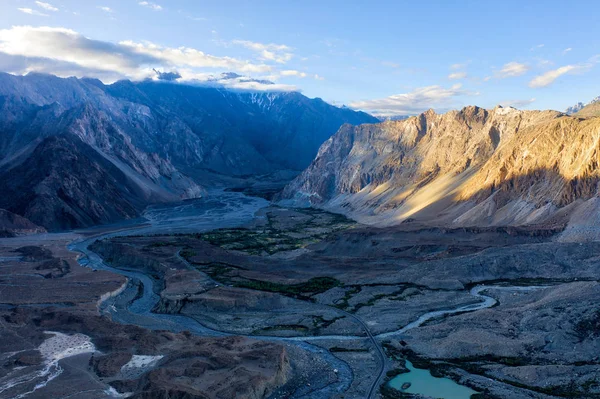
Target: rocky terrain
x,y
472,167
12,225
590,110
303,275
471,254
144,142
296,303
55,344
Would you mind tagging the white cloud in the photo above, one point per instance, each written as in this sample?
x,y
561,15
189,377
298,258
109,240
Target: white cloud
x,y
234,81
415,102
319,77
258,86
565,51
106,9
190,57
46,6
279,53
457,75
20,65
151,5
549,77
32,12
517,103
292,72
512,69
66,51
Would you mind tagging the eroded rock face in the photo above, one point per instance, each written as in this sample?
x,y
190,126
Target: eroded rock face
x,y
473,167
224,368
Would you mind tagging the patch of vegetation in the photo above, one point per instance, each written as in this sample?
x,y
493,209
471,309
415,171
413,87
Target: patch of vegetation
x,y
217,272
387,392
187,254
588,328
316,285
283,327
254,242
392,352
392,296
343,303
345,350
286,234
321,322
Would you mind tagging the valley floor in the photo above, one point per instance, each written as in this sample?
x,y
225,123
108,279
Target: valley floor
x,y
232,294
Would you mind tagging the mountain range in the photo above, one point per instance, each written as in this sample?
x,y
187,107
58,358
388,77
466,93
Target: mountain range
x,y
579,106
76,152
473,167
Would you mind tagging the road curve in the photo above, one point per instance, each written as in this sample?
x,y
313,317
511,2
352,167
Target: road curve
x,y
381,354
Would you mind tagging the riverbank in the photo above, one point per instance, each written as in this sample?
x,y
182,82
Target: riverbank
x,y
338,304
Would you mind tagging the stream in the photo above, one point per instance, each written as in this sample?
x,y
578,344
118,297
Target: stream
x,y
228,209
218,211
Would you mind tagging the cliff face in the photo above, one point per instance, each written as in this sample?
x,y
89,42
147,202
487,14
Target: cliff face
x,y
473,167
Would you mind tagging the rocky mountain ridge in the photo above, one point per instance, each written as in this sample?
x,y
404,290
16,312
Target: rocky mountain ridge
x,y
150,141
579,106
472,167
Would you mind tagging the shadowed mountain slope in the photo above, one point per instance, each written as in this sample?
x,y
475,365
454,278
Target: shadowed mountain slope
x,y
159,140
65,184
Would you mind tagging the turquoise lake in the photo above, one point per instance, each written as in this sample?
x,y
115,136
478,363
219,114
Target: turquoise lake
x,y
422,382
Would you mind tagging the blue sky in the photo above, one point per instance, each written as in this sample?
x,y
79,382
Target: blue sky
x,y
386,57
